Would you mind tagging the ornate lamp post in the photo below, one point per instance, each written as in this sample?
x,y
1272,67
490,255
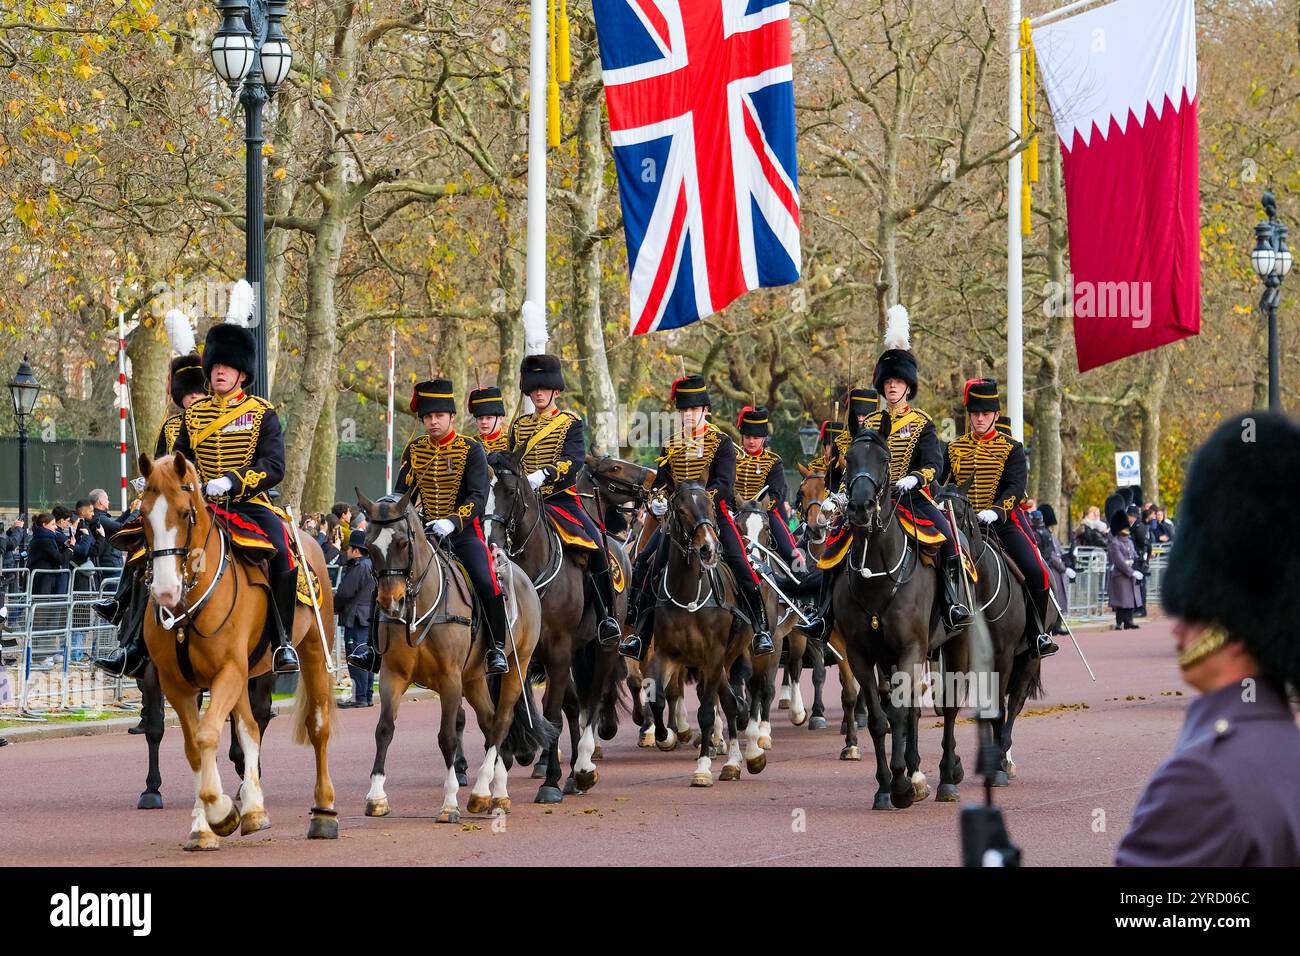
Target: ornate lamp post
x,y
1271,259
23,389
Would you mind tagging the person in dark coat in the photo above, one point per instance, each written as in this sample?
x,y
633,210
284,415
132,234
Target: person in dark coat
x,y
1050,548
48,551
1142,562
1122,579
354,603
1227,796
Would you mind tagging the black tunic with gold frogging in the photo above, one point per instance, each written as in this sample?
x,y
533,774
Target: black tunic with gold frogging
x,y
913,445
247,447
551,440
708,457
754,472
167,435
994,465
450,478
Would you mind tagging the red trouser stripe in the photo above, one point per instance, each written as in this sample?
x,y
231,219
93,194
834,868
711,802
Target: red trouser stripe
x,y
1033,549
492,569
744,553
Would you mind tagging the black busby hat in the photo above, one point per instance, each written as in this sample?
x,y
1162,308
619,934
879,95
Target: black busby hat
x,y
1049,515
897,361
862,401
690,391
829,432
981,395
486,400
540,371
433,396
753,421
357,539
1115,502
1238,536
231,342
1002,425
186,377
1118,522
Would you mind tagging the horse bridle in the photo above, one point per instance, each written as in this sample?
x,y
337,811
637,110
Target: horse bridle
x,y
189,578
612,483
413,588
554,551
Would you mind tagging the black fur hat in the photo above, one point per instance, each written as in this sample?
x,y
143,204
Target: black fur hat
x,y
486,400
540,371
433,396
897,361
1239,539
232,342
186,377
1118,522
1049,515
690,391
753,421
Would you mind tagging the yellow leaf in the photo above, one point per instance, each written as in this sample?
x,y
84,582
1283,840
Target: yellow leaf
x,y
96,94
84,70
279,173
70,157
268,149
325,87
450,189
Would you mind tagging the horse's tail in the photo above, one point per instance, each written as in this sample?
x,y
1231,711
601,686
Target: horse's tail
x,y
742,669
1036,690
302,709
529,731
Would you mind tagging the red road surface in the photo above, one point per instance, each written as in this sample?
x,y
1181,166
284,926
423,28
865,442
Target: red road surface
x,y
1081,769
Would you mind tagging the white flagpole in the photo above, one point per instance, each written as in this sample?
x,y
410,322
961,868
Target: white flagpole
x,y
1015,264
534,310
392,352
123,397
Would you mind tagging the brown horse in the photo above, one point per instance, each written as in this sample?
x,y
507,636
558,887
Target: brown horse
x,y
426,638
215,606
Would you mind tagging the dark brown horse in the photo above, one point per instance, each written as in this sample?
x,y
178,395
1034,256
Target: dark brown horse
x,y
215,607
581,673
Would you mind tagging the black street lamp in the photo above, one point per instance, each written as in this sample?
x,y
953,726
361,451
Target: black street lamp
x,y
251,54
808,437
23,389
1272,260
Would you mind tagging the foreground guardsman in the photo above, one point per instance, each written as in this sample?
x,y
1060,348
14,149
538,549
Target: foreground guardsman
x,y
487,405
447,474
759,468
994,466
1230,793
702,453
553,452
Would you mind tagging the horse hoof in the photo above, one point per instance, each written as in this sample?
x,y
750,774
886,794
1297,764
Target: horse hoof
x,y
586,779
570,788
501,803
706,779
377,808
253,821
462,778
598,754
668,743
478,803
798,719
904,798
647,740
765,743
449,816
783,704
202,840
1011,769
229,825
1000,779
851,753
817,723
685,736
882,802
730,771
323,826
756,764
548,795
921,790
150,800
947,794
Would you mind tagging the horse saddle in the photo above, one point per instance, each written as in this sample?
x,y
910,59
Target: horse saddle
x,y
569,527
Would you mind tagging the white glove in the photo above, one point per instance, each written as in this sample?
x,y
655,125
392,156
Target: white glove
x,y
1069,574
907,482
218,487
988,516
658,507
1137,575
537,479
443,527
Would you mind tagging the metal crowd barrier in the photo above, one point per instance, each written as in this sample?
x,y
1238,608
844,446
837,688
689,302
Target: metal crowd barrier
x,y
1155,572
1088,589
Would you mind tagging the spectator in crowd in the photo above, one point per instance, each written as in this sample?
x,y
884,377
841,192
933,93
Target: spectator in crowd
x,y
1162,531
343,511
354,604
105,526
1142,561
1050,549
49,551
1122,578
1092,530
332,540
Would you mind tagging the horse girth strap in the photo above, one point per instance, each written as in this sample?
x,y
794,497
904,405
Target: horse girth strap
x,y
218,423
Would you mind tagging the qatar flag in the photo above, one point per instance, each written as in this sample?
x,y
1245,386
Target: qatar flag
x,y
1121,81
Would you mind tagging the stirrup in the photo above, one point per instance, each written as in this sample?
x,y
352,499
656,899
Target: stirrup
x,y
957,616
495,662
284,660
363,657
121,663
608,632
763,644
632,646
1044,646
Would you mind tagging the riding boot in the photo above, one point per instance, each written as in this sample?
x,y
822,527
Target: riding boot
x,y
758,616
131,657
638,642
497,627
284,592
956,614
818,628
607,629
1042,645
364,657
114,608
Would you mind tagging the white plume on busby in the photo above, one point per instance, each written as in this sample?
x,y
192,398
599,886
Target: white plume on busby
x,y
180,331
241,304
897,328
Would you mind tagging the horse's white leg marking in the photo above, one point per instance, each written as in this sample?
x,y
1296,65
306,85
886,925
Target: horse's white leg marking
x,y
752,749
586,747
483,783
680,722
449,790
250,793
198,819
797,709
499,780
219,807
733,752
376,787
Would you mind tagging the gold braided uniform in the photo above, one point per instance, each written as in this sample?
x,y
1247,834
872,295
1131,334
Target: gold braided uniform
x,y
995,467
752,473
913,444
708,457
499,440
554,440
248,448
437,471
167,435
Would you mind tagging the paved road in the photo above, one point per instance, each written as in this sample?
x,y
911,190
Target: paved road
x,y
1083,760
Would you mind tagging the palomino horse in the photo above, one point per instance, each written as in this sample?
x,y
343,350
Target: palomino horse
x,y
1003,599
809,503
427,637
216,606
884,606
581,674
697,625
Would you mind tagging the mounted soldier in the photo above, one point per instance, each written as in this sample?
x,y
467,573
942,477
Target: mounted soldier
x,y
488,408
447,475
237,446
994,468
759,468
552,450
702,453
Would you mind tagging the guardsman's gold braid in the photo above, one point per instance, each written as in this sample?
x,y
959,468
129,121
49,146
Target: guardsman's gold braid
x,y
901,447
752,472
982,460
224,450
692,458
437,471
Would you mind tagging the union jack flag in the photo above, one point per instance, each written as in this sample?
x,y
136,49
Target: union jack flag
x,y
701,114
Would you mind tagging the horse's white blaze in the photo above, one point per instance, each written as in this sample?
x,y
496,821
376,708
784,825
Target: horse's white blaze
x,y
586,747
166,570
499,779
376,787
250,793
752,749
450,789
483,782
753,525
